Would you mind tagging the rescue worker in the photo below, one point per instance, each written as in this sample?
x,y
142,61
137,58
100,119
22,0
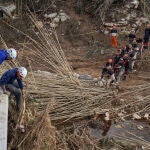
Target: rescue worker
x,y
111,76
121,68
131,36
139,42
9,54
133,56
126,65
116,59
11,81
108,64
128,48
113,34
146,37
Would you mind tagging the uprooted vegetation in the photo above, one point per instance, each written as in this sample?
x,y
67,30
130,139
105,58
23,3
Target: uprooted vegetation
x,y
60,108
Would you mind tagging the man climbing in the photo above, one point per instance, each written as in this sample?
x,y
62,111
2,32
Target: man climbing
x,y
116,59
11,81
113,34
131,36
9,54
111,76
120,70
126,65
133,56
108,64
146,37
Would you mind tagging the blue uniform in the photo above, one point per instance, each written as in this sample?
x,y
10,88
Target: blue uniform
x,y
9,77
3,55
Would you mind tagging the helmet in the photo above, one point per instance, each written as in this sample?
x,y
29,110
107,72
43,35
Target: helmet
x,y
12,53
22,71
110,60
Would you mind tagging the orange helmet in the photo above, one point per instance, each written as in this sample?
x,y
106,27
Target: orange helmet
x,y
110,60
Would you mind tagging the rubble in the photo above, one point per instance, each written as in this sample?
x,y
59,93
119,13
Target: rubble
x,y
136,116
85,77
146,116
7,10
51,16
56,18
140,127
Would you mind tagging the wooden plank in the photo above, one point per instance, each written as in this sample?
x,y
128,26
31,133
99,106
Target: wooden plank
x,y
3,121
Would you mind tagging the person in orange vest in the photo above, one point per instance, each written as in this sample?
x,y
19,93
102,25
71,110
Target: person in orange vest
x,y
113,36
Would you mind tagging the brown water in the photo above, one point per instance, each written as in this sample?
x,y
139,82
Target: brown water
x,y
127,129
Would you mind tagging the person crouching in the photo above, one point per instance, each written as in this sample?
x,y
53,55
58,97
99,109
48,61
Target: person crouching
x,y
11,82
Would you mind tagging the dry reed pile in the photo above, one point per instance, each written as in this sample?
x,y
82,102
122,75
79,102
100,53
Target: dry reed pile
x,y
61,96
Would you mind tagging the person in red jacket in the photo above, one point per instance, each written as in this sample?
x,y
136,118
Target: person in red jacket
x,y
113,36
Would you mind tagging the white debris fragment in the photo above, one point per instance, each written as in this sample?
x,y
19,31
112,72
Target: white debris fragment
x,y
8,10
106,32
146,116
136,116
56,19
53,25
135,3
76,75
63,16
51,16
95,79
107,116
140,127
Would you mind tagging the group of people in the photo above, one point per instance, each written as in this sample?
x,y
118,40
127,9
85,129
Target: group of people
x,y
125,57
11,81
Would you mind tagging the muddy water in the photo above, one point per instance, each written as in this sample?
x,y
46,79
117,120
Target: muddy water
x,y
131,129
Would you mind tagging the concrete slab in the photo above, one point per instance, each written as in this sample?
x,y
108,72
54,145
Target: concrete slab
x,y
3,121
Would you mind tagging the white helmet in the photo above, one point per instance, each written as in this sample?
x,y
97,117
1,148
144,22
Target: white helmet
x,y
22,72
12,53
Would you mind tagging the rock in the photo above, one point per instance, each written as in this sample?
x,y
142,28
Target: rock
x,y
7,10
53,25
118,126
127,6
109,24
123,19
85,77
56,19
106,32
135,116
122,23
135,3
140,127
134,25
51,16
76,75
146,116
128,17
95,79
133,14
